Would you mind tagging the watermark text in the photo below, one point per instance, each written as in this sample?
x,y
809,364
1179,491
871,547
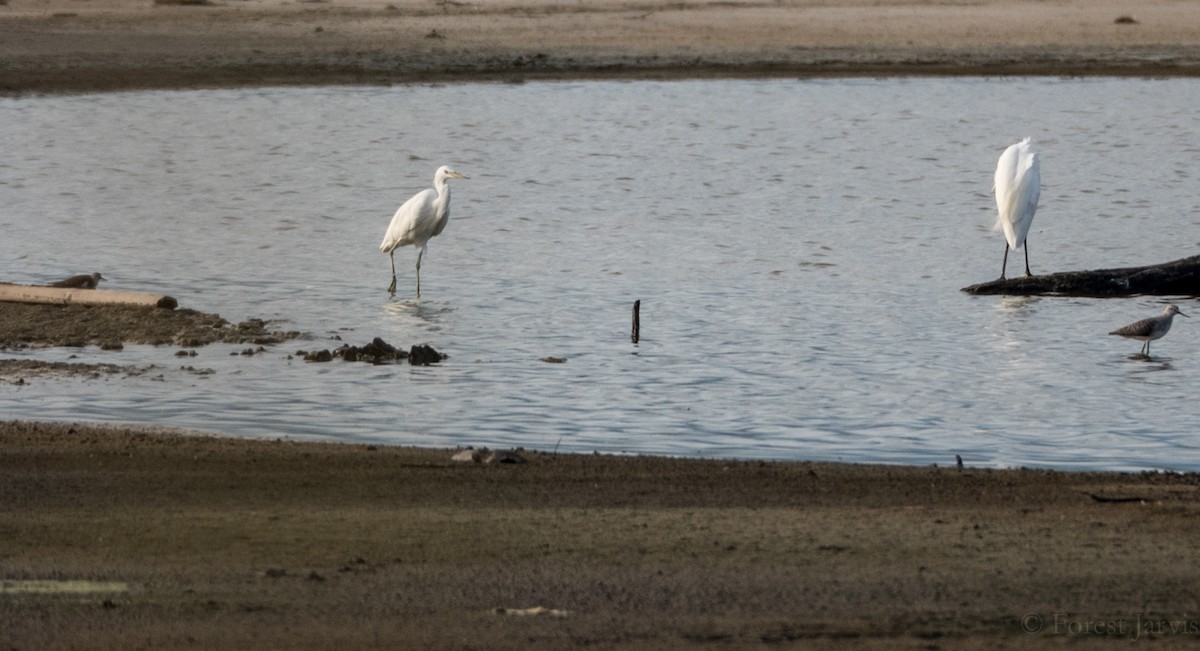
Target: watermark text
x,y
1134,627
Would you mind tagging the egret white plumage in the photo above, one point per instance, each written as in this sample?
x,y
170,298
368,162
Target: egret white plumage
x,y
1018,187
418,219
1148,330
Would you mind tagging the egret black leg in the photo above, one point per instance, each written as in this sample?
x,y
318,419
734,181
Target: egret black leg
x,y
1027,258
1005,265
420,255
392,257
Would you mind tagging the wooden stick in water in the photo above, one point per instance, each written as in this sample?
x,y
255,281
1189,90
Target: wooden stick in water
x,y
637,325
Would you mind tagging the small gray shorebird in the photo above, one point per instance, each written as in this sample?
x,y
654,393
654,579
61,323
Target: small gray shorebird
x,y
1148,330
82,281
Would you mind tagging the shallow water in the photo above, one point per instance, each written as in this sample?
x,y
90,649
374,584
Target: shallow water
x,y
798,248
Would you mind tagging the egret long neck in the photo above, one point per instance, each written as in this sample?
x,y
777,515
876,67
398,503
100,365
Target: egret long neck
x,y
442,203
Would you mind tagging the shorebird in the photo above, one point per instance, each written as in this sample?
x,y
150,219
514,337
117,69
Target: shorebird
x,y
418,219
82,281
1148,330
1018,186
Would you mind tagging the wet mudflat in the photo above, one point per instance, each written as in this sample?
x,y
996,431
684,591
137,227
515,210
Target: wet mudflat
x,y
35,325
223,543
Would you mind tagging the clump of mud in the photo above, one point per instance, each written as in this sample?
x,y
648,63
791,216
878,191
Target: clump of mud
x,y
28,325
377,352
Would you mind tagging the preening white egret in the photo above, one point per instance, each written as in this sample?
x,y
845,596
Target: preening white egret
x,y
1148,330
1018,186
418,219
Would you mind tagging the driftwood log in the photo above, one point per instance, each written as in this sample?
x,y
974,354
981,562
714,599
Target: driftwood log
x,y
1176,278
78,296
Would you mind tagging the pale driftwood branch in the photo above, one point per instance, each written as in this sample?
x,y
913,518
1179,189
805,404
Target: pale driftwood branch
x,y
76,296
1176,278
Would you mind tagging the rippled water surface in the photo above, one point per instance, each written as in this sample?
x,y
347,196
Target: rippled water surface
x,y
798,248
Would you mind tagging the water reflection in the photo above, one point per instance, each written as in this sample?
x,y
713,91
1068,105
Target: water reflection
x,y
1017,306
1016,315
1150,364
416,319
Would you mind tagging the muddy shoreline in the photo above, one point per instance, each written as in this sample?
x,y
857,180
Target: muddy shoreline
x,y
24,325
119,537
508,67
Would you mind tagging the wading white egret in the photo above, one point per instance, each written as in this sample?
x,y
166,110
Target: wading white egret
x,y
1148,330
418,219
1018,186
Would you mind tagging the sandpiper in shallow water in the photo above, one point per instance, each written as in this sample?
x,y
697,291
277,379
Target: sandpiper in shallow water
x,y
1148,330
82,281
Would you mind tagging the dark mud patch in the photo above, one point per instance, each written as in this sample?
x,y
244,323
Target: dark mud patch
x,y
24,325
376,352
110,327
21,371
18,371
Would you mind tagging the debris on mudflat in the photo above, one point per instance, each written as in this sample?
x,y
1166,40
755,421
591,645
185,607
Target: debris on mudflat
x,y
536,611
469,454
504,456
377,352
484,455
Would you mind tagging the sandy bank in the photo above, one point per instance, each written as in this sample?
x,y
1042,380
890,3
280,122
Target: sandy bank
x,y
99,45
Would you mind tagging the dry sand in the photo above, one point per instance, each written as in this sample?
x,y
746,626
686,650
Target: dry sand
x,y
95,45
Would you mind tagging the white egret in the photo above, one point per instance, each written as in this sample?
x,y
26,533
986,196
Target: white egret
x,y
418,219
1148,330
1018,186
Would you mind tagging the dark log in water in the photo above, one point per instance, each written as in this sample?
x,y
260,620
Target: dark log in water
x,y
1176,278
